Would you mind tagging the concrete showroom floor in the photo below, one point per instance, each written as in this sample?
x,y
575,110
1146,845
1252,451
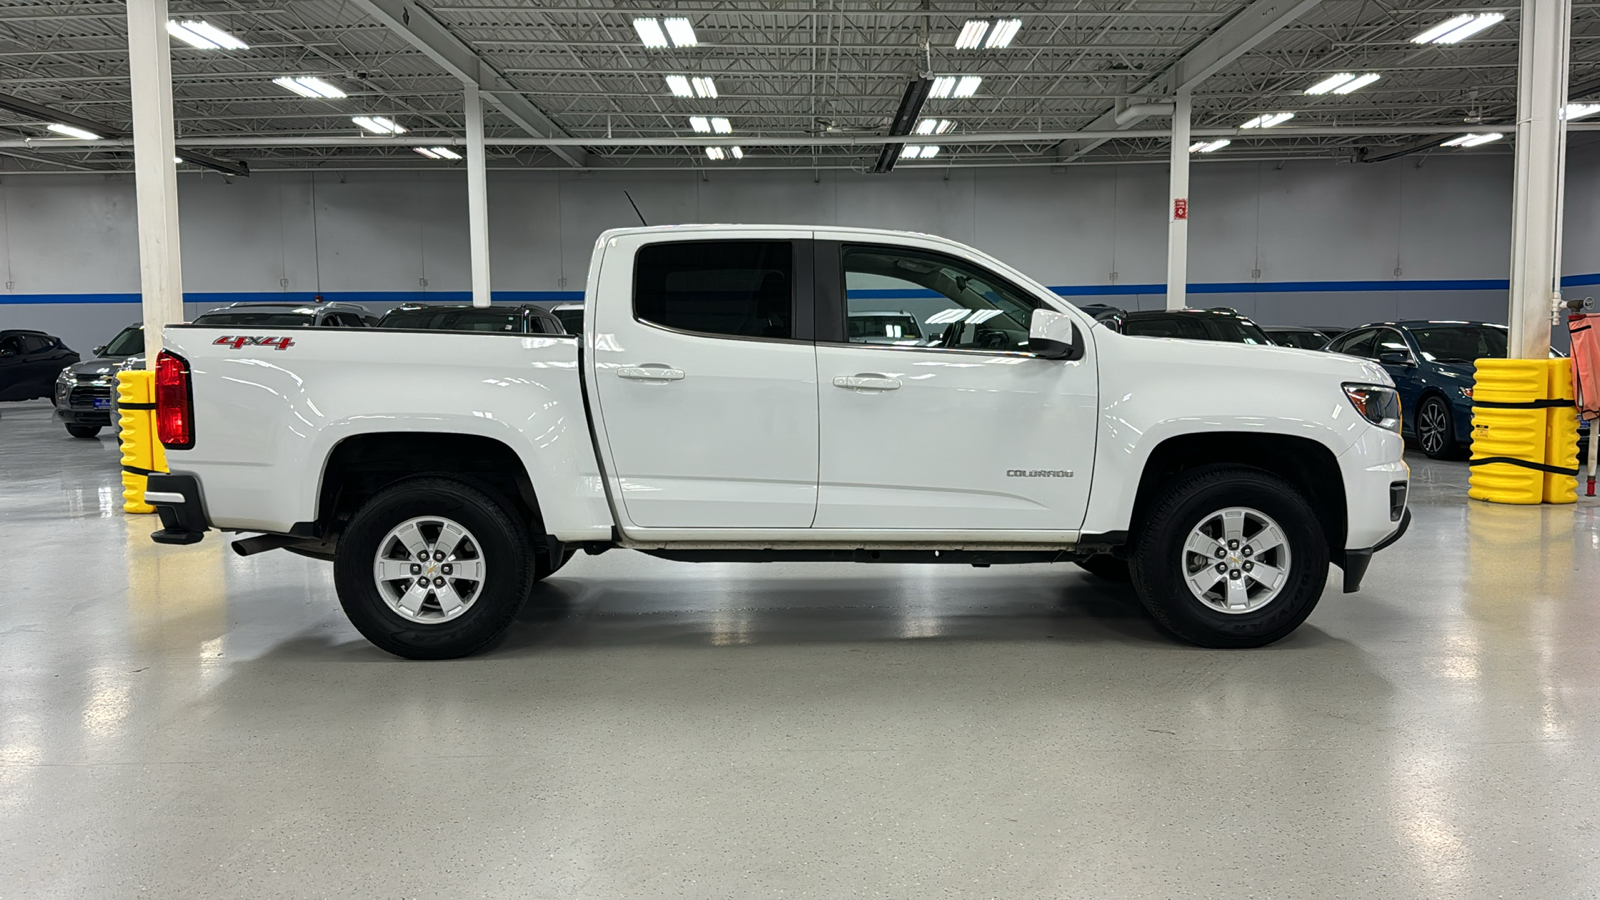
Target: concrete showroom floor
x,y
183,722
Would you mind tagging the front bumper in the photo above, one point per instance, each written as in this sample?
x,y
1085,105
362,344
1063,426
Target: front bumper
x,y
71,416
182,510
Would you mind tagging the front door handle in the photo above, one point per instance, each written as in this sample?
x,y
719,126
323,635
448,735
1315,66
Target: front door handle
x,y
650,373
867,381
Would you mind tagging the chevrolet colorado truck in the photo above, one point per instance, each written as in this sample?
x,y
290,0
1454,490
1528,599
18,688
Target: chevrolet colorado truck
x,y
728,400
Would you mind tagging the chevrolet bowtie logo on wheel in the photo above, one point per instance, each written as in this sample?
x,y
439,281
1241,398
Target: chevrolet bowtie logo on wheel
x,y
1038,473
282,343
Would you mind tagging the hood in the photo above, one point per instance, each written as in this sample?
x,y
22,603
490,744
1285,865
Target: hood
x,y
1270,361
1464,371
105,365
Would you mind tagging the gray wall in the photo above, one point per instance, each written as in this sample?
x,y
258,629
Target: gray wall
x,y
1306,242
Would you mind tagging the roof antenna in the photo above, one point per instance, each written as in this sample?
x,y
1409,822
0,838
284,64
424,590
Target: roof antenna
x,y
636,209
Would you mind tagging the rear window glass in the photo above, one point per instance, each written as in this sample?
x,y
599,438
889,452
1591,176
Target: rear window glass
x,y
737,288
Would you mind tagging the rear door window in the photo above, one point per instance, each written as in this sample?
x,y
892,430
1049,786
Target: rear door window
x,y
728,288
1357,343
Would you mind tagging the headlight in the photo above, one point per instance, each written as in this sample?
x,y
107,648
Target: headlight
x,y
1377,404
1466,392
66,377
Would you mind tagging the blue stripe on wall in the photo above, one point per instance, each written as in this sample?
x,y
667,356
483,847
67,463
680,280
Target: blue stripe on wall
x,y
1071,290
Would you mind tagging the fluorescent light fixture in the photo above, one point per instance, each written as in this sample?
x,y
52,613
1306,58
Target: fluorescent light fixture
x,y
910,151
721,125
681,32
716,153
1472,140
700,124
177,160
967,86
72,131
1360,82
1004,31
929,152
1575,111
705,87
310,86
650,32
942,86
679,86
1458,28
971,35
437,152
426,152
738,152
1331,82
934,126
378,124
204,36
1209,146
1268,120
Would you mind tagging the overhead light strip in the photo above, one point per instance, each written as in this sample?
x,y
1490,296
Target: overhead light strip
x,y
72,131
378,124
310,87
1459,28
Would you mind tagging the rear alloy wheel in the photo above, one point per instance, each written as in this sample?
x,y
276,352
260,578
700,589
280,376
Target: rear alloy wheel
x,y
1230,557
1436,433
83,431
433,568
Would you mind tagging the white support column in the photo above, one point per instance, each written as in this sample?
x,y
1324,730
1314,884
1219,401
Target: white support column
x,y
477,198
154,175
1540,174
1178,208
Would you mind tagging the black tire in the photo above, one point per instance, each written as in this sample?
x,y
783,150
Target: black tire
x,y
1159,557
83,431
1436,444
1104,565
504,545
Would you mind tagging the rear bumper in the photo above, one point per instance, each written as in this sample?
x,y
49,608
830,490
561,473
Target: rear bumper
x,y
178,502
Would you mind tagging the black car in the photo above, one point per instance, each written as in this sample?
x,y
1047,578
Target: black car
x,y
30,362
289,315
1223,325
1299,336
524,319
84,390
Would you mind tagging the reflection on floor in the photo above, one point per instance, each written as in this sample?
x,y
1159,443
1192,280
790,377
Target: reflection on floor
x,y
184,722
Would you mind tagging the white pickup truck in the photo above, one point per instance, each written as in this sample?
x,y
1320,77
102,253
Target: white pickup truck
x,y
766,393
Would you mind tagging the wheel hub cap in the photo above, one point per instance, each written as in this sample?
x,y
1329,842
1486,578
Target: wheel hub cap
x,y
1236,560
429,570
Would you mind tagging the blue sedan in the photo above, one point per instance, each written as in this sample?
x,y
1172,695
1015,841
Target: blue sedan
x,y
1432,365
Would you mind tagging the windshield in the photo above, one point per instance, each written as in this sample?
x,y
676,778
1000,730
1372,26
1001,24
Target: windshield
x,y
883,328
453,320
128,342
1460,343
261,317
571,319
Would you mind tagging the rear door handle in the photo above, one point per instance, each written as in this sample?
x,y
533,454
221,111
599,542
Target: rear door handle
x,y
867,382
650,373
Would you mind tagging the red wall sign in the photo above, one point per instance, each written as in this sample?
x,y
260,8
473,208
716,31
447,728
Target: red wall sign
x,y
1180,208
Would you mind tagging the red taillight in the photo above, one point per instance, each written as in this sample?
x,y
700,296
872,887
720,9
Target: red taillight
x,y
174,402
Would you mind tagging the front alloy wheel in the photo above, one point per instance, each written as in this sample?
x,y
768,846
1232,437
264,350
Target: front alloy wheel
x,y
1435,432
1236,560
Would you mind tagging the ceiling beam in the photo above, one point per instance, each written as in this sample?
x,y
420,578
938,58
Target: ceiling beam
x,y
25,107
1233,39
418,26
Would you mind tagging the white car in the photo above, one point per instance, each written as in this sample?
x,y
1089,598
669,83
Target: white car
x,y
717,409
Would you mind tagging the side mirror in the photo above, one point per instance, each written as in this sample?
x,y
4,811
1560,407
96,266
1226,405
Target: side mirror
x,y
1054,335
100,350
1394,358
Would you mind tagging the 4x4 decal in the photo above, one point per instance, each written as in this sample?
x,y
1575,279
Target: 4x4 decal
x,y
282,343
